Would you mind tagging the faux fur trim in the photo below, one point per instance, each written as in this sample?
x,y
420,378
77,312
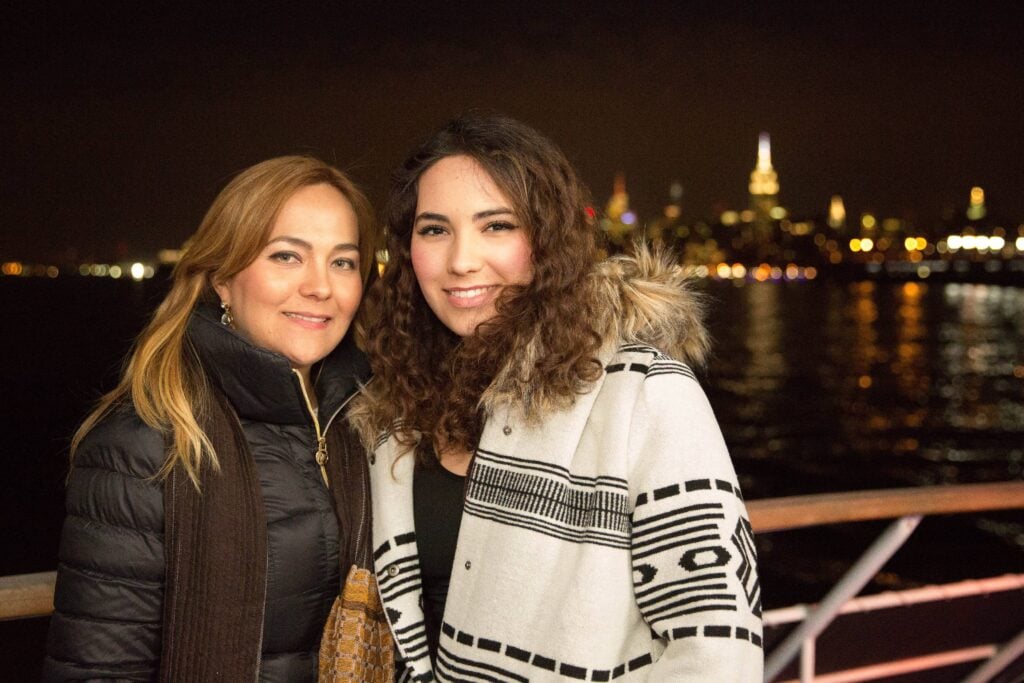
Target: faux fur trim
x,y
641,298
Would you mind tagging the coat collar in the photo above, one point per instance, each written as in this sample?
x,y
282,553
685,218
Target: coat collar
x,y
260,384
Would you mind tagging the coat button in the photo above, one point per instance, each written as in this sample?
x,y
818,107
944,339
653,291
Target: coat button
x,y
507,430
393,570
468,564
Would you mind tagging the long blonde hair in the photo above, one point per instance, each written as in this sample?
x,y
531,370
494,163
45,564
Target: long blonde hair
x,y
162,377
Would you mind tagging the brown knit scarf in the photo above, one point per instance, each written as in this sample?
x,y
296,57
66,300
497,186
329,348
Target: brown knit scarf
x,y
216,553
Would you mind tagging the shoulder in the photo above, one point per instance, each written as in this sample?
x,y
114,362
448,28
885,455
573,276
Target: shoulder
x,y
113,498
121,442
647,361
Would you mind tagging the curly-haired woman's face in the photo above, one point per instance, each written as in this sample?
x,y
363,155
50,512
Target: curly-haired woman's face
x,y
467,243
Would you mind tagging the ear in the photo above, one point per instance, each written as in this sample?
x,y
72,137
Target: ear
x,y
222,289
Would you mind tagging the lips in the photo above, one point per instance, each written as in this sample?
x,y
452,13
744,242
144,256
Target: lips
x,y
470,297
308,320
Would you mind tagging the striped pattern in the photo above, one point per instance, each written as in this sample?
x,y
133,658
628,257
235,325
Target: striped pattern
x,y
743,540
658,363
683,527
549,500
463,667
401,576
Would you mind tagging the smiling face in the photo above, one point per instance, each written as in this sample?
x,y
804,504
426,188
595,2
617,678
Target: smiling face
x,y
467,243
300,294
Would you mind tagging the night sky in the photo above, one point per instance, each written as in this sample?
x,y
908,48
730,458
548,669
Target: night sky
x,y
121,121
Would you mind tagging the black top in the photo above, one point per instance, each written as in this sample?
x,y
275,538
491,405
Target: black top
x,y
438,495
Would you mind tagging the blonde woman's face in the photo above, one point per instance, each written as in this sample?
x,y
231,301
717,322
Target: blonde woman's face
x,y
467,244
299,296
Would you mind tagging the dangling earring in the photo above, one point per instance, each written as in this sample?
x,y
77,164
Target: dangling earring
x,y
226,319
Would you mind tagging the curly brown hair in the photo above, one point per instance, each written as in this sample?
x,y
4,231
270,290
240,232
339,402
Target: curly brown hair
x,y
430,381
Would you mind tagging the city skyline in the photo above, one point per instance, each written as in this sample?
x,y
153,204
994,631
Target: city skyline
x,y
123,123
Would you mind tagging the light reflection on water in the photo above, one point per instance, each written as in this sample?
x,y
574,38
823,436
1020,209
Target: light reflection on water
x,y
876,372
826,387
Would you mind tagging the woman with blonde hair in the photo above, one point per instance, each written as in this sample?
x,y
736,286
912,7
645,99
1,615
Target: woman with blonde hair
x,y
216,500
552,497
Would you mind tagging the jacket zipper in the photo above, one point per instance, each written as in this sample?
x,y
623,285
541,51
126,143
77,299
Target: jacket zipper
x,y
321,454
321,440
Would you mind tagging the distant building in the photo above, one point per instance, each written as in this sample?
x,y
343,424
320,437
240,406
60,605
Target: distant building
x,y
619,220
764,193
976,209
836,213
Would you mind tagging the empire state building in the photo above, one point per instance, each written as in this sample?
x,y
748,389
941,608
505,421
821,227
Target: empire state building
x,y
764,189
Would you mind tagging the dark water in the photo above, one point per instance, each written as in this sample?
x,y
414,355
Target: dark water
x,y
823,387
818,386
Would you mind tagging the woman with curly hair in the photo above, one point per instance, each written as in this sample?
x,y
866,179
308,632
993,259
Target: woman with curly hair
x,y
552,495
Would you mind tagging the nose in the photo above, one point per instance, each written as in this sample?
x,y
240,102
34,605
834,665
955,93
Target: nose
x,y
466,253
315,283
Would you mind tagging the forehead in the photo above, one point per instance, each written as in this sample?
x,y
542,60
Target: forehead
x,y
316,209
459,180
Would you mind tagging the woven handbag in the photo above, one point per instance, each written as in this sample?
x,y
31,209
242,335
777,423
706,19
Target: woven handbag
x,y
357,643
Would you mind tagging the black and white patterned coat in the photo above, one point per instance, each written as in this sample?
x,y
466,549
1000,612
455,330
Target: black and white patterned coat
x,y
608,541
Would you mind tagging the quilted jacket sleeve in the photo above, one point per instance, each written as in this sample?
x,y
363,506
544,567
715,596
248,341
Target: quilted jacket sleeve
x,y
109,594
694,565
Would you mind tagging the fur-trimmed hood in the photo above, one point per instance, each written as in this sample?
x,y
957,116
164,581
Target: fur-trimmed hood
x,y
641,298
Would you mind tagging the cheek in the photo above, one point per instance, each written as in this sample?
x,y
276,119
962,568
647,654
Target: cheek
x,y
518,261
349,295
423,263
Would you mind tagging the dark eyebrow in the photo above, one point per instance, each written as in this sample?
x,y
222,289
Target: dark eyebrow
x,y
295,241
493,212
426,215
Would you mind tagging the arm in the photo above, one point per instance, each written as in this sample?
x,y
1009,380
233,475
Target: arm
x,y
694,564
109,594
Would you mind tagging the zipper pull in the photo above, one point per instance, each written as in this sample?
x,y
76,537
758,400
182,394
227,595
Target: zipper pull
x,y
321,458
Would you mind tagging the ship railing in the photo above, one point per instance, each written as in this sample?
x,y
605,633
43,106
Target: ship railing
x,y
31,595
907,506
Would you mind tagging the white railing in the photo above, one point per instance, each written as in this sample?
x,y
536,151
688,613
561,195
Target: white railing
x,y
907,506
31,595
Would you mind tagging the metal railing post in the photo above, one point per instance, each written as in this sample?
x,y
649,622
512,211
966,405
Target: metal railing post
x,y
859,574
807,661
999,661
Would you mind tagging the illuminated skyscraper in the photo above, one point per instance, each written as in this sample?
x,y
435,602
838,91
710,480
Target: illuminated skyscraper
x,y
619,220
976,210
836,213
618,203
764,190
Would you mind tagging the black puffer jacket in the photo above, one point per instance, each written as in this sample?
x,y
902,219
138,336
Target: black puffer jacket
x,y
108,613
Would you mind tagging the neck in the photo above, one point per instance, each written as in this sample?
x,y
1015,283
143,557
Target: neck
x,y
456,461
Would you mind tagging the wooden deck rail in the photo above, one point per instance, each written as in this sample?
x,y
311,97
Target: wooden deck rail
x,y
31,595
794,512
26,595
